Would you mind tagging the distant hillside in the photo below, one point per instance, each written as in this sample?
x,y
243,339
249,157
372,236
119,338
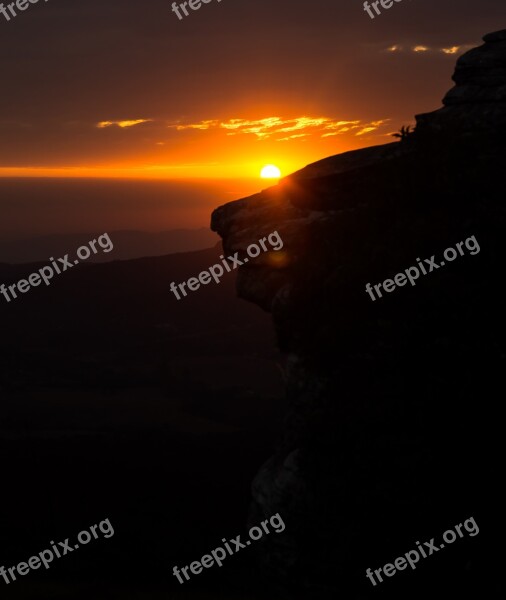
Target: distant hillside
x,y
127,245
119,320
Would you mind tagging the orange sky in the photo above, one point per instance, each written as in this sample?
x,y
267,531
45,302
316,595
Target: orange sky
x,y
215,148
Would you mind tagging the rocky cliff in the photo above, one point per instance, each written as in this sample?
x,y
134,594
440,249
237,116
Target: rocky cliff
x,y
391,435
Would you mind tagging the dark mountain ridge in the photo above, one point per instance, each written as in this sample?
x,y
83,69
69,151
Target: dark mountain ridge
x,y
127,245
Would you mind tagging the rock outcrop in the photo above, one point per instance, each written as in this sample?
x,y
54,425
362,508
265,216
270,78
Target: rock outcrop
x,y
390,436
478,100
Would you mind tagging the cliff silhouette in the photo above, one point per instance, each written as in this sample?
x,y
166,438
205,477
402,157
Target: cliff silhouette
x,y
392,434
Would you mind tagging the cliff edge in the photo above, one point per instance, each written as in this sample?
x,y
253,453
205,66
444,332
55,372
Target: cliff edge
x,y
390,435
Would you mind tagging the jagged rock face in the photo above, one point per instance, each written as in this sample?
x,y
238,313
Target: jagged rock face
x,y
390,436
478,101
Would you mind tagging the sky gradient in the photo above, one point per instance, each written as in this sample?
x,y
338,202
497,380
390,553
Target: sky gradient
x,y
124,88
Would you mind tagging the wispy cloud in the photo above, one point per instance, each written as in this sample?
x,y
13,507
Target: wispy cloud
x,y
276,128
294,137
122,124
452,50
420,49
201,125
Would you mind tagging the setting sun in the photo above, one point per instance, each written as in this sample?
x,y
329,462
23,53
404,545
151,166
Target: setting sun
x,y
270,172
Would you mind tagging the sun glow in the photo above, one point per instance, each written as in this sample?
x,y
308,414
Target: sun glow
x,y
270,172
